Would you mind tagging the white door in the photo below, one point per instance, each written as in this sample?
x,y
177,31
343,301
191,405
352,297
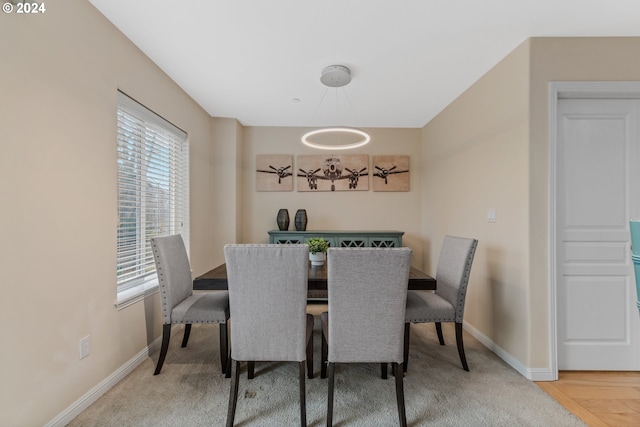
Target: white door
x,y
597,192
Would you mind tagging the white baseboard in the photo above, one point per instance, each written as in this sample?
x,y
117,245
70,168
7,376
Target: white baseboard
x,y
533,374
66,416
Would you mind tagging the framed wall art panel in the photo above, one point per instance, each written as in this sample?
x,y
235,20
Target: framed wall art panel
x,y
390,173
274,172
332,172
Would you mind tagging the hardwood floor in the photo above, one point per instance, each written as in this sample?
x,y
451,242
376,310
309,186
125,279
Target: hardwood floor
x,y
600,399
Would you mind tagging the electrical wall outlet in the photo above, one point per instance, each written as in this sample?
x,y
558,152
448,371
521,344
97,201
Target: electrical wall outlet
x,y
85,344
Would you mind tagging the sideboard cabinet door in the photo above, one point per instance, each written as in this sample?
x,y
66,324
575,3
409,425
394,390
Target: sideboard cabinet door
x,y
385,242
346,241
287,239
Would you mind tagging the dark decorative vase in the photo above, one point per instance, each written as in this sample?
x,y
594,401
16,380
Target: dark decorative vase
x,y
283,219
301,220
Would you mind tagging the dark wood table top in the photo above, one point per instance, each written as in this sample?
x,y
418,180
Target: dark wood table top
x,y
216,279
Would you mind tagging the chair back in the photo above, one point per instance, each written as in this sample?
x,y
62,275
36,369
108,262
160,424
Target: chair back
x,y
174,272
267,301
367,294
454,269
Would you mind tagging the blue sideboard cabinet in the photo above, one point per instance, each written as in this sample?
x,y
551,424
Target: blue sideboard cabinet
x,y
342,239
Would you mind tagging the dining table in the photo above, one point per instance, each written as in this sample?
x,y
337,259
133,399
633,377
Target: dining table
x,y
216,279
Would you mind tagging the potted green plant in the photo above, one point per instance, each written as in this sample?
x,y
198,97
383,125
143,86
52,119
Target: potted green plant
x,y
317,250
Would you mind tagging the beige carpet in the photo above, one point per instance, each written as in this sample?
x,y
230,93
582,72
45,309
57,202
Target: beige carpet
x,y
191,391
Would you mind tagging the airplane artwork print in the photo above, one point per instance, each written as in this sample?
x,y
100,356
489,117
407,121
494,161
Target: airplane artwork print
x,y
384,173
332,173
348,172
391,173
281,172
332,170
274,172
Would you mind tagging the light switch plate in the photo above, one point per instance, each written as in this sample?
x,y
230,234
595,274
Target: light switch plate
x,y
491,215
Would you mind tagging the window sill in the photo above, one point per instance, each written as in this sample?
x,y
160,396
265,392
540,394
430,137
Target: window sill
x,y
136,294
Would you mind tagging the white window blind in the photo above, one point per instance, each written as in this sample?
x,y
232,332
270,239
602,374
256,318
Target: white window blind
x,y
153,188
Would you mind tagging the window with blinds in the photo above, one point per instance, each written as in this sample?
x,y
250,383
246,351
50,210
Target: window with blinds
x,y
153,188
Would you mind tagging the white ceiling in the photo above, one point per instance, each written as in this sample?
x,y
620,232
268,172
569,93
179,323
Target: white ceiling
x,y
249,59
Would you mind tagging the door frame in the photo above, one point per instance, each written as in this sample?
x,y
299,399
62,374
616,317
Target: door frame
x,y
557,91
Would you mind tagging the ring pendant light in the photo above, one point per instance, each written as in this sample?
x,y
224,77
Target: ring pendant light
x,y
335,76
335,130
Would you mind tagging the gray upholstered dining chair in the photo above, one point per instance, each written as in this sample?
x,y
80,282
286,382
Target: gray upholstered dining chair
x,y
446,304
367,293
268,307
179,303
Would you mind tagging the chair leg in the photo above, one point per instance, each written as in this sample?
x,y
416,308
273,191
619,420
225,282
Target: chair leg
x,y
332,367
383,369
439,331
323,357
407,329
303,401
227,371
310,356
233,394
187,332
463,359
394,371
251,370
166,334
402,413
224,347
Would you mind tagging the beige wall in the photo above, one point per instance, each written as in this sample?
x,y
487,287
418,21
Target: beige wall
x,y
359,210
475,157
491,148
561,59
58,186
226,175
